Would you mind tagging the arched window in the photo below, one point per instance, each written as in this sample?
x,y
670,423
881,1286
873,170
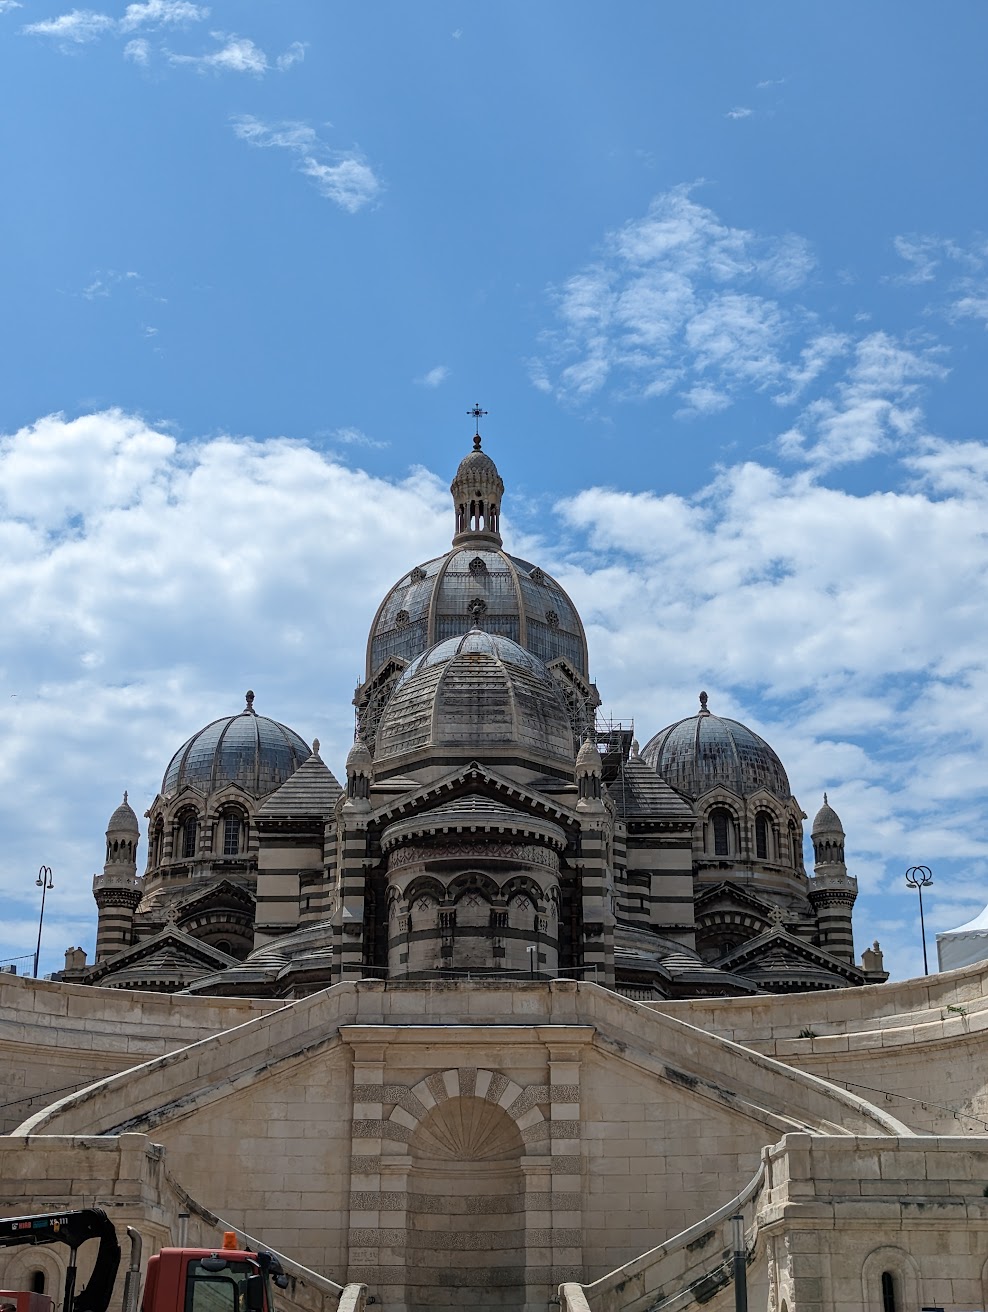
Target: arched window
x,y
720,824
889,1303
37,1282
231,834
761,837
189,832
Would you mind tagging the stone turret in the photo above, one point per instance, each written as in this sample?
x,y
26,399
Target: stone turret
x,y
477,491
832,890
117,891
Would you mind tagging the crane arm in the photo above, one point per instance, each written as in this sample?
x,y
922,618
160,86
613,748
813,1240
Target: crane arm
x,y
73,1229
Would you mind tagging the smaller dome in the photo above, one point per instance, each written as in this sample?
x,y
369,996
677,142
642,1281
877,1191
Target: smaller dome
x,y
588,759
475,465
708,751
246,749
476,692
826,821
124,819
359,758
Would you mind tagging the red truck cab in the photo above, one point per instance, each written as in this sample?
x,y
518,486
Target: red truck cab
x,y
205,1280
23,1302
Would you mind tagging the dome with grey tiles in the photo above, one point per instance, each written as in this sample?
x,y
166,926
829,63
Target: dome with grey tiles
x,y
707,751
247,749
472,693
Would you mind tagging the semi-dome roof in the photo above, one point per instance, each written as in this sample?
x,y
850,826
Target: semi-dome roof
x,y
477,584
708,751
475,692
247,749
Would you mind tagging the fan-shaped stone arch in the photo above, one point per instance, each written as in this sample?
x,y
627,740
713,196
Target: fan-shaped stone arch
x,y
471,1135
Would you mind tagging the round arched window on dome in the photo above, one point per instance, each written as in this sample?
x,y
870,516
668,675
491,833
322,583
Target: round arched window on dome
x,y
721,832
189,832
764,846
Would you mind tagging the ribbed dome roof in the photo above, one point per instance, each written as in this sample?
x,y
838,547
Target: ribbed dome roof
x,y
708,751
482,585
826,820
248,749
474,692
476,464
124,818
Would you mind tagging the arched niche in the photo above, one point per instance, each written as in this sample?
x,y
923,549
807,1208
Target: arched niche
x,y
466,1214
902,1280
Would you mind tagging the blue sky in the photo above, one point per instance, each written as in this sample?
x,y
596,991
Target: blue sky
x,y
718,272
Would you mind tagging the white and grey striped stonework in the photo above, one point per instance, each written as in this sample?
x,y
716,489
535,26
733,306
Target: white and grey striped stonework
x,y
426,1221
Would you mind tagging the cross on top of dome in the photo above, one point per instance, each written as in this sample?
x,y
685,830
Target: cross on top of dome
x,y
477,491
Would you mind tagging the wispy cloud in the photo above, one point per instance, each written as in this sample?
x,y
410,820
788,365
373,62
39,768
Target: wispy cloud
x,y
434,377
236,55
681,301
138,50
343,177
161,13
7,5
293,55
739,111
78,27
873,409
357,437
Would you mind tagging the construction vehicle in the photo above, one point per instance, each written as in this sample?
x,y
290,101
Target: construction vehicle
x,y
228,1279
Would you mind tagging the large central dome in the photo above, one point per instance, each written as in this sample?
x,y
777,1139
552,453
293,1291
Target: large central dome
x,y
477,584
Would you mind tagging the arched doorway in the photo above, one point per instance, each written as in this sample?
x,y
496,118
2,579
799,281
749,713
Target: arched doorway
x,y
465,1238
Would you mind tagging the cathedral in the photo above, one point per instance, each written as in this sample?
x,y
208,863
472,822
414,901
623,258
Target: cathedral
x,y
489,823
512,1014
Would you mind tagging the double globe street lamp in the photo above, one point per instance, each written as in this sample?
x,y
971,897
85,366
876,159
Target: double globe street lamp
x,y
44,882
920,877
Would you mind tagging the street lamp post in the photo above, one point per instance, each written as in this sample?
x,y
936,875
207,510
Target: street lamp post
x,y
44,882
740,1264
920,877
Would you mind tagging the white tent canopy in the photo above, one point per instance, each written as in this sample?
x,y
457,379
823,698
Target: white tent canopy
x,y
964,945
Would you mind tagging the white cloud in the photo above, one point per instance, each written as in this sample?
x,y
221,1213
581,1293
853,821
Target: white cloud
x,y
75,28
161,13
148,582
874,409
678,299
138,50
435,377
343,177
236,55
357,437
153,582
739,111
7,5
293,55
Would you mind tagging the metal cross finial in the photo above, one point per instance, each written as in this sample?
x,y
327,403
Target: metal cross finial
x,y
476,414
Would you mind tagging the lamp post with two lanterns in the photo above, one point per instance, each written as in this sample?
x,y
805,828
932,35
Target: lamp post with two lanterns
x,y
920,877
44,882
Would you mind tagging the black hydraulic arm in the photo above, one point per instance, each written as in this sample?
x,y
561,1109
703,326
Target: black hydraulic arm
x,y
73,1229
